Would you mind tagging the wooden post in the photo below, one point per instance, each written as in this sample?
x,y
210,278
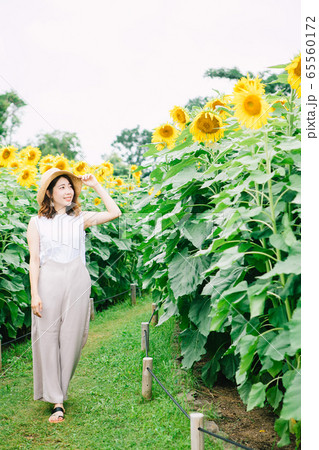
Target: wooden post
x,y
145,327
147,378
133,294
92,309
0,358
155,316
197,437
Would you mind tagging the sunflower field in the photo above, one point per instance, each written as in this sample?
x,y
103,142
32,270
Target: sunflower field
x,y
221,240
213,233
20,176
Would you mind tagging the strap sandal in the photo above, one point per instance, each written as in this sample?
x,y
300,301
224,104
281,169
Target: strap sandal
x,y
56,418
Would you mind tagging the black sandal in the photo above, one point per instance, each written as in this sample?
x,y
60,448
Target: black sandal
x,y
56,409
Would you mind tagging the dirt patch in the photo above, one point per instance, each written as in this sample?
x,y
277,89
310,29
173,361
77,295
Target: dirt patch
x,y
254,428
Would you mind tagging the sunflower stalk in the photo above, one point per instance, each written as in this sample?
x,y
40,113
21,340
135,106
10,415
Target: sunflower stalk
x,y
290,129
263,241
273,217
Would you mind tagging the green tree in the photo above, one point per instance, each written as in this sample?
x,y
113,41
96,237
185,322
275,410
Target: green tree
x,y
197,102
60,142
10,104
129,143
235,74
120,168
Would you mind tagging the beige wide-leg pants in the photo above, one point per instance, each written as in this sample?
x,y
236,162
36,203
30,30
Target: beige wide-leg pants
x,y
60,334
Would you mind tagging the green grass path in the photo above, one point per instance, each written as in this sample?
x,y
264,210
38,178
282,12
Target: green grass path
x,y
105,408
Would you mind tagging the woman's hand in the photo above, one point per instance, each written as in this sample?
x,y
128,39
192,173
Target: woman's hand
x,y
36,305
89,180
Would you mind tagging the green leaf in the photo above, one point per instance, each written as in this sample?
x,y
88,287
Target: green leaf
x,y
192,347
185,273
244,390
291,407
170,309
13,310
256,396
196,232
289,143
279,346
277,241
279,66
274,396
295,182
287,233
181,173
260,177
247,348
282,428
257,295
219,314
13,285
210,371
295,330
199,314
290,265
229,256
229,365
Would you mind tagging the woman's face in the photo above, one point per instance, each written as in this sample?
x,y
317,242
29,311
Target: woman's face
x,y
63,193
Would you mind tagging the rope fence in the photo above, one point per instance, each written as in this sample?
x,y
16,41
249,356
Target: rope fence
x,y
196,419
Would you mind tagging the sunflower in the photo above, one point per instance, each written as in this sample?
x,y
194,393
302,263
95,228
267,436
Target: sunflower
x,y
97,201
15,165
101,173
151,191
251,109
7,155
245,83
133,167
212,104
119,181
80,168
46,163
61,162
165,134
282,102
137,175
294,74
27,176
30,155
228,99
109,167
207,127
179,116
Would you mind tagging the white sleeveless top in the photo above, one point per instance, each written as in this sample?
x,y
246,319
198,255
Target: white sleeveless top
x,y
62,238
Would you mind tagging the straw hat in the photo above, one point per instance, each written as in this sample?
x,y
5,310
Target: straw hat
x,y
49,175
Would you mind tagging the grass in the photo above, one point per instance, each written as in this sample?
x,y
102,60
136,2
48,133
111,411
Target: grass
x,y
105,408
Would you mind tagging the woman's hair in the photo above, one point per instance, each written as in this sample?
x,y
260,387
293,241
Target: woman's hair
x,y
49,211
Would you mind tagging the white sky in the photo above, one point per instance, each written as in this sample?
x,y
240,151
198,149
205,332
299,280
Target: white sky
x,y
97,67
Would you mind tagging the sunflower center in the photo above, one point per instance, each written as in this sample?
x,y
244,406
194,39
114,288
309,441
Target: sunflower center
x,y
298,69
166,131
6,154
180,116
208,125
217,103
252,105
25,175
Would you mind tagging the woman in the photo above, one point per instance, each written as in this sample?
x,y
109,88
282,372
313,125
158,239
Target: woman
x,y
61,286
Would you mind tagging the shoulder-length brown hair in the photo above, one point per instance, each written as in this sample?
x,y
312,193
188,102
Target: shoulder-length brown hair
x,y
49,211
